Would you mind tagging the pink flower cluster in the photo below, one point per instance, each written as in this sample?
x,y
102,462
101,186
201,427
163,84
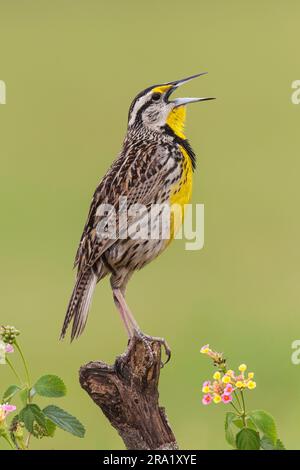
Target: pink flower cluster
x,y
9,348
5,348
225,381
5,409
217,391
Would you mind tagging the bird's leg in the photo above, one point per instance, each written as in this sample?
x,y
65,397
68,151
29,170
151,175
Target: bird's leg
x,y
118,299
135,330
128,319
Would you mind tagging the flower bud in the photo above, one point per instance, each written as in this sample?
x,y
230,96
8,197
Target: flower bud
x,y
8,333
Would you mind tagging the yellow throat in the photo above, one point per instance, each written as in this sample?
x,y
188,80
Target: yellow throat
x,y
176,121
182,190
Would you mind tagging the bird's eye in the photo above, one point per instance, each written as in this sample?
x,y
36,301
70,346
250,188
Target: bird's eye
x,y
156,96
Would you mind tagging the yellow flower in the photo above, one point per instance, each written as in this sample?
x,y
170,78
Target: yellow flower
x,y
242,367
205,349
217,375
226,379
217,399
2,415
239,384
250,375
230,373
251,384
206,389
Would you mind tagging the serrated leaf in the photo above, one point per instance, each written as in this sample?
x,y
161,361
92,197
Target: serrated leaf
x,y
247,439
32,413
229,434
64,420
13,423
10,392
266,443
50,386
264,423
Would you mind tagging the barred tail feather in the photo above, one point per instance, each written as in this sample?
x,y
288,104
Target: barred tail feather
x,y
79,304
82,309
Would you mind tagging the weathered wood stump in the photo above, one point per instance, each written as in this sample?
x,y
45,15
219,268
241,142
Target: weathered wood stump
x,y
127,393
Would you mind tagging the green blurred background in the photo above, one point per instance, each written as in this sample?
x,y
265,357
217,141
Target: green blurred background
x,y
71,70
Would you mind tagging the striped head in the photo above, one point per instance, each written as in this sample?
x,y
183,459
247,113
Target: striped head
x,y
153,109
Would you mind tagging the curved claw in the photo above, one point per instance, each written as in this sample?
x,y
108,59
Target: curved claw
x,y
162,341
168,353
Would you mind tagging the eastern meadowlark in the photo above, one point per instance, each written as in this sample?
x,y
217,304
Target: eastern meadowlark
x,y
155,166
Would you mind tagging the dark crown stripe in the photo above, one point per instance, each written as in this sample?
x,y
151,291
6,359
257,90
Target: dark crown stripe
x,y
142,93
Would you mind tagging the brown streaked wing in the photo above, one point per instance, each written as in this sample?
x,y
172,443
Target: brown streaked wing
x,y
140,181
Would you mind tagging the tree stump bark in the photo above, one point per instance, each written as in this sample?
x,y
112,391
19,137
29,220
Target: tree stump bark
x,y
127,393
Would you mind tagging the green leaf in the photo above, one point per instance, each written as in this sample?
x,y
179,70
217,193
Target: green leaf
x,y
10,392
13,423
50,427
50,386
229,433
264,423
267,443
247,439
238,422
64,420
279,445
24,396
32,413
251,425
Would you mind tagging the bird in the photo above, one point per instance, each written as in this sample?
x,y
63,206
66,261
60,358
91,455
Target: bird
x,y
154,168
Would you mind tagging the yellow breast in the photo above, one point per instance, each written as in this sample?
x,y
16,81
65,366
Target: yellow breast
x,y
182,190
181,195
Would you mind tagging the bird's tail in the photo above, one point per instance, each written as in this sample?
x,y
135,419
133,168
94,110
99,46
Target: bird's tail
x,y
79,304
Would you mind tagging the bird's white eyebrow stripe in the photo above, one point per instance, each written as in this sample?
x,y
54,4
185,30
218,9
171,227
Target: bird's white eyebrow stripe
x,y
139,103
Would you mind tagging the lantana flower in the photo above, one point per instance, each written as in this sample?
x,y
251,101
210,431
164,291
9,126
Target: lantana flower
x,y
2,352
206,386
9,349
216,389
5,409
226,398
225,382
251,385
5,348
217,398
228,389
207,399
214,355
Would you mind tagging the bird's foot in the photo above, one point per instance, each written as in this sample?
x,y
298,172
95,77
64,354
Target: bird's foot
x,y
147,338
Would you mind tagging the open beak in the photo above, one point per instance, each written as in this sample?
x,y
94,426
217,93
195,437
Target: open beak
x,y
183,101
